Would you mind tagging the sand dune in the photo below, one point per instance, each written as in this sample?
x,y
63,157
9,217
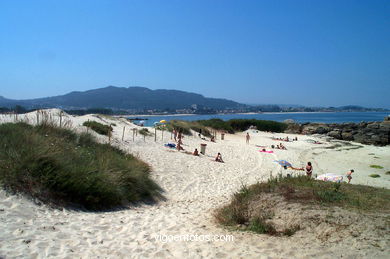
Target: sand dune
x,y
194,187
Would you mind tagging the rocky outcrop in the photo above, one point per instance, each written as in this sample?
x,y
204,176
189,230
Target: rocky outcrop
x,y
373,133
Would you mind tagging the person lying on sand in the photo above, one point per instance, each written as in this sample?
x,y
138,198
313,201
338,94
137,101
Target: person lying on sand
x,y
219,158
349,175
196,153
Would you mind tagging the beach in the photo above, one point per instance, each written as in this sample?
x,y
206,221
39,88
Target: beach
x,y
194,187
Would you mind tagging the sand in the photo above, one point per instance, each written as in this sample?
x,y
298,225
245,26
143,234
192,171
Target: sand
x,y
194,187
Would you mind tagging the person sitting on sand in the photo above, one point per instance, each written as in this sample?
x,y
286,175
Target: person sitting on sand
x,y
309,169
349,175
196,153
212,139
219,158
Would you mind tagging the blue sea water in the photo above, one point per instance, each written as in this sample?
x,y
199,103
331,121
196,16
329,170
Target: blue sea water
x,y
325,117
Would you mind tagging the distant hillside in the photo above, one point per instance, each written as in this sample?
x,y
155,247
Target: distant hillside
x,y
131,98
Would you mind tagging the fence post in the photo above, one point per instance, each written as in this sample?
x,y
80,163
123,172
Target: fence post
x,y
123,133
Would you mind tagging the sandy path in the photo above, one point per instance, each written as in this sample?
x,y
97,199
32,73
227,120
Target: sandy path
x,y
194,188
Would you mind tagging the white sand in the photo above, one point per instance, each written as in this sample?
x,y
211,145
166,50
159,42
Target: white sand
x,y
194,188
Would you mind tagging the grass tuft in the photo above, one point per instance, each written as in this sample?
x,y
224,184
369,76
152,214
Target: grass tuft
x,y
98,127
376,166
374,175
302,190
63,168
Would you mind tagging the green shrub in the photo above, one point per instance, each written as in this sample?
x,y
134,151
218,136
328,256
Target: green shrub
x,y
185,127
262,125
299,189
98,127
376,166
63,168
388,172
230,126
217,124
144,132
374,175
259,226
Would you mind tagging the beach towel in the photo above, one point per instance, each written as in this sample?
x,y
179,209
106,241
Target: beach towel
x,y
283,163
269,152
330,178
170,145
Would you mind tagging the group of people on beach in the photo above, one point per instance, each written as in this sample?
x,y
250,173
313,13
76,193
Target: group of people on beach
x,y
178,136
287,139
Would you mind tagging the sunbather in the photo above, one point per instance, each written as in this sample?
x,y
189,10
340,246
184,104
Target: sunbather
x,y
219,158
196,153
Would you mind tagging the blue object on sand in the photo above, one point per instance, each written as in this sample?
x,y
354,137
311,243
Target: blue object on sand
x,y
283,163
170,145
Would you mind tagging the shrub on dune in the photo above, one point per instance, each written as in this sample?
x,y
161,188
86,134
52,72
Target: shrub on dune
x,y
63,168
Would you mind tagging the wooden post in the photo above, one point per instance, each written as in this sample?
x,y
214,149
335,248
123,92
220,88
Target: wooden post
x,y
60,119
37,117
109,134
155,134
133,134
123,133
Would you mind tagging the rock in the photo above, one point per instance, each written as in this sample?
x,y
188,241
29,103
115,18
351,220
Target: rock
x,y
289,121
335,134
347,136
372,133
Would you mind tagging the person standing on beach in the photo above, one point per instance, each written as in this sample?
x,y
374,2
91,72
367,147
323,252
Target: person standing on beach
x,y
247,138
349,175
309,169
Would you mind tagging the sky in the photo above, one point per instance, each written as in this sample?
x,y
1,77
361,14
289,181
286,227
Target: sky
x,y
313,53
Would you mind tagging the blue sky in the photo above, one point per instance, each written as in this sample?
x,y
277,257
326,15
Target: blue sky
x,y
315,53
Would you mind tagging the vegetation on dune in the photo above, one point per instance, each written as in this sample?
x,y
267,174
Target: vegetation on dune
x,y
388,173
263,125
217,124
374,175
98,127
185,127
300,189
63,168
376,166
144,132
230,126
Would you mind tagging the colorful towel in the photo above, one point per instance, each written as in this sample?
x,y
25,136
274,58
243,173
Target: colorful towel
x,y
269,152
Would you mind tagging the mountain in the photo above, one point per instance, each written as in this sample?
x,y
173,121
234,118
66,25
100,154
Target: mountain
x,y
131,98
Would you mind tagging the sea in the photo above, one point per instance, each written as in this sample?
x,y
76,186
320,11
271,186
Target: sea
x,y
300,117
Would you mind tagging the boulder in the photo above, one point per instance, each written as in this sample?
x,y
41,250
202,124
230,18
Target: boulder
x,y
335,134
347,136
